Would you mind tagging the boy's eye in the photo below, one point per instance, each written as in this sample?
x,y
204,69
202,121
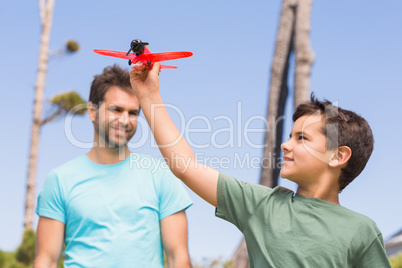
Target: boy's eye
x,y
301,137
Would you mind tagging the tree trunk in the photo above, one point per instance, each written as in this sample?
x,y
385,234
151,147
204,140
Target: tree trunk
x,y
278,93
240,257
52,116
304,55
293,33
46,12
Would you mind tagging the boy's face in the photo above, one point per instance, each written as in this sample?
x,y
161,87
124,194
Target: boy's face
x,y
305,157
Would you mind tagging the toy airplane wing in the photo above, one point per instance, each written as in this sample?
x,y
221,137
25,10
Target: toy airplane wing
x,y
168,67
116,54
155,57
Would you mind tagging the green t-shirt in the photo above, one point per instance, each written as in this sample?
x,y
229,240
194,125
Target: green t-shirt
x,y
283,229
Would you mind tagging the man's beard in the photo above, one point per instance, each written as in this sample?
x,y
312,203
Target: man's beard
x,y
112,140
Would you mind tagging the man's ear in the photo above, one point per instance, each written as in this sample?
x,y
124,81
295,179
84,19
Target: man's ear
x,y
91,111
340,157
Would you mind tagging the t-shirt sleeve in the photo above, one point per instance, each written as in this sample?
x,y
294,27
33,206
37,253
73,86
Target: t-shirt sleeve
x,y
238,200
375,255
173,197
50,199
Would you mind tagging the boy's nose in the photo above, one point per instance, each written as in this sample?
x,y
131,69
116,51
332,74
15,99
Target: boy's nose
x,y
286,146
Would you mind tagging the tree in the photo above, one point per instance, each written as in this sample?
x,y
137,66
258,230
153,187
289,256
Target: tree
x,y
293,36
46,15
64,102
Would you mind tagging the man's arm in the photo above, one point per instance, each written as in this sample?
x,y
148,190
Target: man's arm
x,y
49,243
180,157
174,239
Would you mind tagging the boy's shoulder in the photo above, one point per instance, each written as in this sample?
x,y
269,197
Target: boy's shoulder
x,y
338,217
360,221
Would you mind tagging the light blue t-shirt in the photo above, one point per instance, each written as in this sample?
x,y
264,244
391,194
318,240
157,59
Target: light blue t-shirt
x,y
112,212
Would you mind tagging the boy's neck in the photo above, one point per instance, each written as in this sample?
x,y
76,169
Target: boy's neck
x,y
323,192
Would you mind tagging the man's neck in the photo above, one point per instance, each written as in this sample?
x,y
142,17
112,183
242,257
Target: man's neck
x,y
108,155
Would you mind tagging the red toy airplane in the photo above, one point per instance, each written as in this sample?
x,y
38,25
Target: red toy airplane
x,y
143,54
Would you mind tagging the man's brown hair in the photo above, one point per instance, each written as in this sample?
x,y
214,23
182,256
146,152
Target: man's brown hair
x,y
110,76
342,128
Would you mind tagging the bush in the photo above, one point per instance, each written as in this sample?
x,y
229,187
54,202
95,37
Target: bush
x,y
8,260
72,46
26,251
396,260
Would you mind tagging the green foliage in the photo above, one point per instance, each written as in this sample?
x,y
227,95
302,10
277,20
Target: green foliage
x,y
396,260
62,258
214,263
61,261
68,100
26,251
24,256
5,258
72,46
165,260
228,264
9,260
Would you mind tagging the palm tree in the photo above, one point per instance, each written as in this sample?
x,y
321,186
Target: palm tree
x,y
46,15
63,103
293,36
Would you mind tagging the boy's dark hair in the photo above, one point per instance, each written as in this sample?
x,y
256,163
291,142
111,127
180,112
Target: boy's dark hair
x,y
342,128
110,76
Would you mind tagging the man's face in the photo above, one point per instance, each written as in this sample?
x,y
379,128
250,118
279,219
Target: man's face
x,y
116,118
305,157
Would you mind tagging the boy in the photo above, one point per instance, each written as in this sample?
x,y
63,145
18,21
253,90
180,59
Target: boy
x,y
327,149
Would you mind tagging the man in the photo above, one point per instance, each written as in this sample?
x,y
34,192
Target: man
x,y
111,207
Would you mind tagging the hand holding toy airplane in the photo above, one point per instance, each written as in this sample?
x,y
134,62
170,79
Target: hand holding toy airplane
x,y
141,53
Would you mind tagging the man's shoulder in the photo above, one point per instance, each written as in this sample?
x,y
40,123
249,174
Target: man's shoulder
x,y
71,165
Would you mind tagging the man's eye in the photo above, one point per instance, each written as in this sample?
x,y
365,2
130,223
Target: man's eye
x,y
134,113
114,109
301,137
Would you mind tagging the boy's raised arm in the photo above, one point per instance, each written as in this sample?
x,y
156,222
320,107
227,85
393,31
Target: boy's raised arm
x,y
177,152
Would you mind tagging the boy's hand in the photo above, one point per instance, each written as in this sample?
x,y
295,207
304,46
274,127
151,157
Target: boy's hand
x,y
201,179
144,81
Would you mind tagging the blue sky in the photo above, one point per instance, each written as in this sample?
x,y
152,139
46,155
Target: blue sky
x,y
358,64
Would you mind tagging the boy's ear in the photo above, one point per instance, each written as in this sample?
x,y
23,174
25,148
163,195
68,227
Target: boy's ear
x,y
91,111
340,157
